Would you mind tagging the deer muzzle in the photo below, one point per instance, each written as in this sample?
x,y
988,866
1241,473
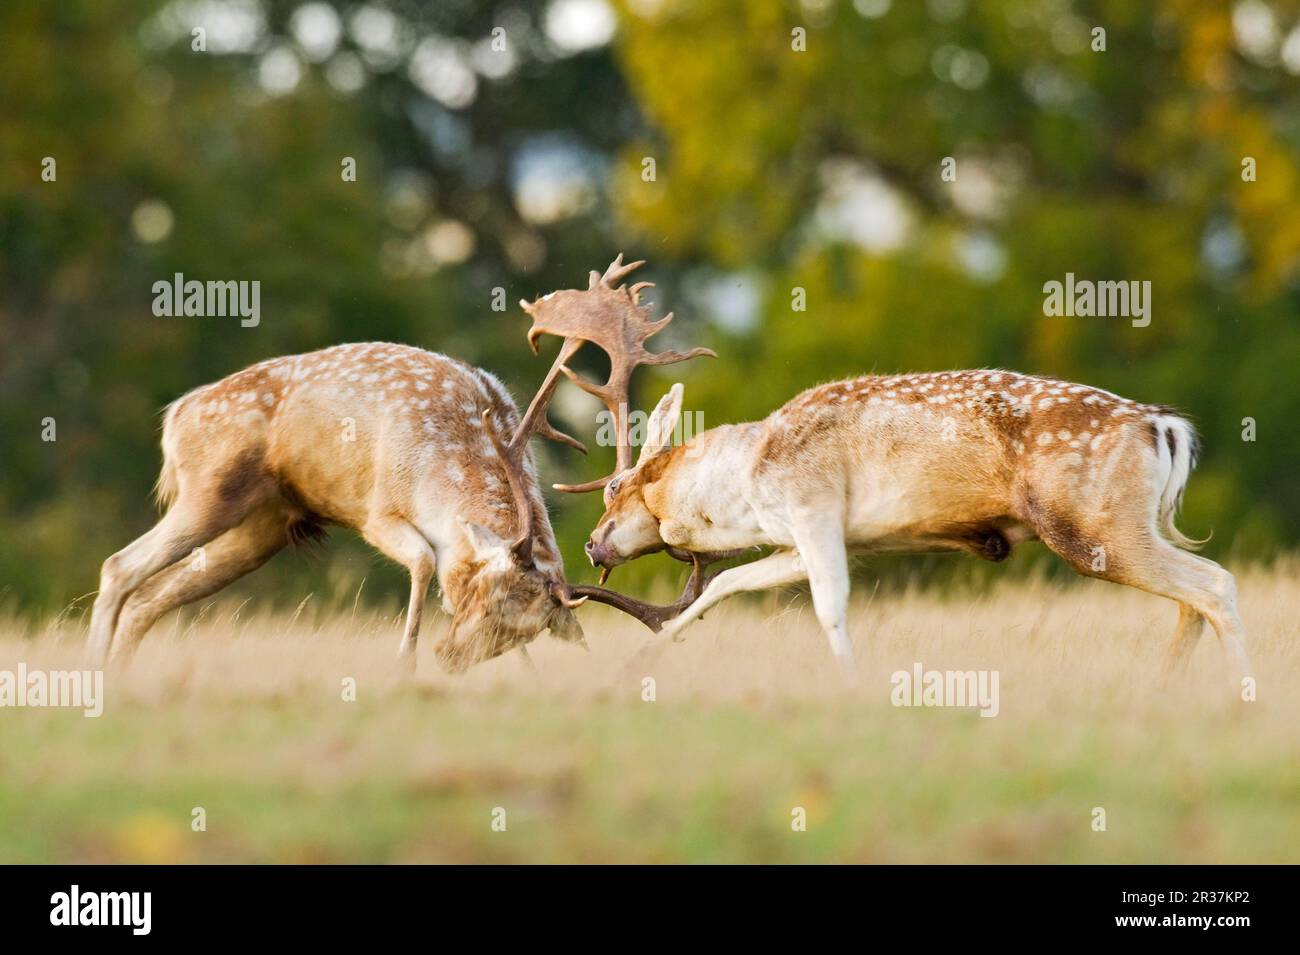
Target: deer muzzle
x,y
598,548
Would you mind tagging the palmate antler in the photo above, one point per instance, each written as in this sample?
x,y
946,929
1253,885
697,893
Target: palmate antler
x,y
611,316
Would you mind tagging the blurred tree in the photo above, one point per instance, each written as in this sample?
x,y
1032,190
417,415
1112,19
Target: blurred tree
x,y
501,151
228,162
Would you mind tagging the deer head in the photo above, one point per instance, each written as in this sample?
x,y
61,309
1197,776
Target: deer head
x,y
628,528
504,599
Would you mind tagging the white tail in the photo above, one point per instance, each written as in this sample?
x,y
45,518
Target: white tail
x,y
1177,446
167,487
976,461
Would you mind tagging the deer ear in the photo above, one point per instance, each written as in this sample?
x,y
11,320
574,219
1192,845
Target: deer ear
x,y
663,422
487,544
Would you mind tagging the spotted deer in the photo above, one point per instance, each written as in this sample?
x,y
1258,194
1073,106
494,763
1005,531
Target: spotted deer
x,y
423,455
973,461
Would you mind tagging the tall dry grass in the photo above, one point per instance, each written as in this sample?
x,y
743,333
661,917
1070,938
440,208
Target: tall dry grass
x,y
1050,641
750,717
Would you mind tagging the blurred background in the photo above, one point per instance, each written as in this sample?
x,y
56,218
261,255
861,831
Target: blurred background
x,y
746,148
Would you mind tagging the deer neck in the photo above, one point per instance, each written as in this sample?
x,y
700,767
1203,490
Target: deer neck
x,y
700,494
454,576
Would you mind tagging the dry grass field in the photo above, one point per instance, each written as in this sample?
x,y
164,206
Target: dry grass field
x,y
242,714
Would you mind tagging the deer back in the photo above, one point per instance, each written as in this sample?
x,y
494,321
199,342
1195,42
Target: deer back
x,y
363,429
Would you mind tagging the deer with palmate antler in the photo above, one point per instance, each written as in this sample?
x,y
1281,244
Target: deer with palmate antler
x,y
402,445
972,461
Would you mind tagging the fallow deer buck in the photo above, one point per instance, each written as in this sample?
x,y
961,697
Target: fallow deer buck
x,y
402,445
975,461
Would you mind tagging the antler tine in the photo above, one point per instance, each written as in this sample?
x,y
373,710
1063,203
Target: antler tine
x,y
636,290
671,357
547,430
651,328
617,271
585,486
561,592
603,392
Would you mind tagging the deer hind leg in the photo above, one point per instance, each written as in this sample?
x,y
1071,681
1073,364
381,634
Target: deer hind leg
x,y
192,521
1214,597
1190,625
1204,587
237,552
782,567
1133,554
399,540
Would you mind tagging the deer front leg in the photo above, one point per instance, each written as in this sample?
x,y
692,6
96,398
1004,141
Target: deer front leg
x,y
782,567
401,541
820,540
421,575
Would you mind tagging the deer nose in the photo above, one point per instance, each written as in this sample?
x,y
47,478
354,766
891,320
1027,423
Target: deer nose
x,y
597,552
